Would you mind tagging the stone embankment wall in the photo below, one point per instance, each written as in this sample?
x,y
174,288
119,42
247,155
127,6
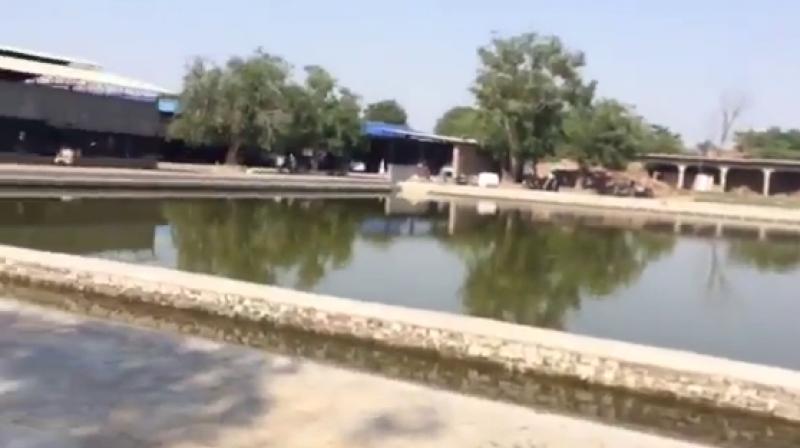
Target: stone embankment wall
x,y
690,377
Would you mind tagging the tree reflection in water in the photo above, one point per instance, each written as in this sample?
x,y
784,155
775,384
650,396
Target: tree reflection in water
x,y
533,273
779,255
517,269
256,240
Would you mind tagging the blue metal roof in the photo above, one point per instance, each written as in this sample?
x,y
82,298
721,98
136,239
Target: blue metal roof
x,y
385,130
378,129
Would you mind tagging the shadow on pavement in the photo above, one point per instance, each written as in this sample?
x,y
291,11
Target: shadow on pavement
x,y
88,384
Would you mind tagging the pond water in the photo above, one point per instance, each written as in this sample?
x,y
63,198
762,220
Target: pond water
x,y
730,292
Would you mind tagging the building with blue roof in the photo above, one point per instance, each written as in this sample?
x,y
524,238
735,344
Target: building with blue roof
x,y
397,147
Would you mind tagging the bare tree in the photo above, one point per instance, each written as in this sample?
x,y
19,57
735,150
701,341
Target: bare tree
x,y
732,105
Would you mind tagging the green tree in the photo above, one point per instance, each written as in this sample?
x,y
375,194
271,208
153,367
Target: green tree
x,y
330,114
773,143
610,134
525,84
661,140
605,133
243,104
461,121
387,111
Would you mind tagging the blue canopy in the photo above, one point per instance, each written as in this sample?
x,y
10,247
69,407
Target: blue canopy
x,y
378,129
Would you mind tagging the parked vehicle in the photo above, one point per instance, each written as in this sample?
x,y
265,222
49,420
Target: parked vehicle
x,y
66,156
549,183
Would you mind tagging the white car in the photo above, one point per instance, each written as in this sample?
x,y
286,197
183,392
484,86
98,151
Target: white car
x,y
66,156
447,173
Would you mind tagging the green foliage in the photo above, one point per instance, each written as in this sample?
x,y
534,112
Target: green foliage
x,y
253,102
766,256
533,273
461,121
332,113
608,133
262,241
533,103
387,111
605,133
661,140
774,143
525,85
241,104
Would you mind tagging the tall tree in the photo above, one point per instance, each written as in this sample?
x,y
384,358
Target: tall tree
x,y
525,84
606,134
330,113
241,104
387,111
731,108
461,121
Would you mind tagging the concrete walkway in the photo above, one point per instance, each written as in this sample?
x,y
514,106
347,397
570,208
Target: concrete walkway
x,y
666,206
69,382
219,180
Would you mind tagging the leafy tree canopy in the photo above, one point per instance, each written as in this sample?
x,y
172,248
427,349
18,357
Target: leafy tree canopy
x,y
608,133
773,143
660,139
331,116
241,104
254,102
461,121
525,85
604,134
387,111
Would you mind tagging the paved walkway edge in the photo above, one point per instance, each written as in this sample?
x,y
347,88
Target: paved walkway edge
x,y
662,206
756,389
210,184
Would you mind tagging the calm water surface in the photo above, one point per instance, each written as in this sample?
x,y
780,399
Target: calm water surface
x,y
734,294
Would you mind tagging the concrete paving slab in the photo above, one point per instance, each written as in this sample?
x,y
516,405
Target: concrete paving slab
x,y
79,382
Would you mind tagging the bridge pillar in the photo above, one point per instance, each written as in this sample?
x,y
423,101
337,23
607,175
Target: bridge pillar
x,y
723,178
767,179
681,176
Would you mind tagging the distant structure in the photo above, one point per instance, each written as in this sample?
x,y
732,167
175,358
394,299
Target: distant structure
x,y
403,151
48,102
765,176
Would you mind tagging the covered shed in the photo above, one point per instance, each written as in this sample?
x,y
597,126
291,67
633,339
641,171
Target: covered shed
x,y
400,150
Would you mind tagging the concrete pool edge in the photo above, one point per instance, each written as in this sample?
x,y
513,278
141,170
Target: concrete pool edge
x,y
673,207
700,379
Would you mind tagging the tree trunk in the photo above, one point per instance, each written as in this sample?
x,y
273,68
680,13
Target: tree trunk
x,y
517,165
232,156
583,175
506,175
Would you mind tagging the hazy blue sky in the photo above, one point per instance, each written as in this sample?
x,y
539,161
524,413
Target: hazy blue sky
x,y
670,59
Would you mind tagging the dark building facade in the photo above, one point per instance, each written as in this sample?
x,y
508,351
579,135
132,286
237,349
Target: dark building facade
x,y
50,102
